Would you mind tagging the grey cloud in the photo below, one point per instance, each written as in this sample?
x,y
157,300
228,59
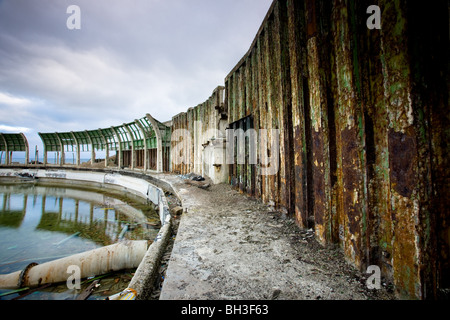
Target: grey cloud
x,y
129,58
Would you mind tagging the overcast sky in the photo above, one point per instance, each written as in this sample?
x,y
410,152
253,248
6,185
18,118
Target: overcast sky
x,y
130,57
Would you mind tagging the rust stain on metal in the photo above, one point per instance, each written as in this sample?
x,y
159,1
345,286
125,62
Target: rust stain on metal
x,y
363,142
363,126
403,151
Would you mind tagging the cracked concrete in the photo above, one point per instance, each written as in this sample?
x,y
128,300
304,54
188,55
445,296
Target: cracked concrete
x,y
231,247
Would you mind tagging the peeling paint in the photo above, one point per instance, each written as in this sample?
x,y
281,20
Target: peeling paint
x,y
363,152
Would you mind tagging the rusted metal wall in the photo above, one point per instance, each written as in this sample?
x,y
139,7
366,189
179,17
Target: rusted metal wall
x,y
364,130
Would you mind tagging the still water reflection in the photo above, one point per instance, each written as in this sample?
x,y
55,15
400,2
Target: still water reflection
x,y
38,224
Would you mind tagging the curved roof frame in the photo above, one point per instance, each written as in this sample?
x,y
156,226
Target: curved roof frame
x,y
11,142
136,135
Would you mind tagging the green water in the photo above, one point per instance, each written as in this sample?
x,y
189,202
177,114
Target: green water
x,y
39,224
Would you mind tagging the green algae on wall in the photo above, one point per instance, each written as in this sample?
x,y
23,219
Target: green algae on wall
x,y
358,157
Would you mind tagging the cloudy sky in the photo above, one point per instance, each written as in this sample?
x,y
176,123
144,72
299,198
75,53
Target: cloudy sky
x,y
130,57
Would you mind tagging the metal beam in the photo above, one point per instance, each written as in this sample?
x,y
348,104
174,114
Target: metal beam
x,y
119,153
78,148
132,144
27,149
61,160
159,153
141,128
106,147
92,147
6,149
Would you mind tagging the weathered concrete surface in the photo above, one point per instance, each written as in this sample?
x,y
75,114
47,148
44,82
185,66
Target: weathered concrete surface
x,y
134,183
198,139
229,246
147,270
364,124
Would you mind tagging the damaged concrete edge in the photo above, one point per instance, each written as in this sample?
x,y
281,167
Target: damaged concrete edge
x,y
137,184
148,269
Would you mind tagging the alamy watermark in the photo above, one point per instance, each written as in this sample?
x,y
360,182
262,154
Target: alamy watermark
x,y
374,281
74,20
374,21
74,278
253,147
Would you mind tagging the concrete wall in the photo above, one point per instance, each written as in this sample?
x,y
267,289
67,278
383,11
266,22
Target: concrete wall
x,y
145,275
134,185
198,138
363,123
363,116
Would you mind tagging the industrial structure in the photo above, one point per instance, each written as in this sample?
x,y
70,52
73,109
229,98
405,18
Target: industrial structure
x,y
361,119
13,142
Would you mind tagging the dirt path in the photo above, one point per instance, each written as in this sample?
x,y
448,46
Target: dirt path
x,y
229,246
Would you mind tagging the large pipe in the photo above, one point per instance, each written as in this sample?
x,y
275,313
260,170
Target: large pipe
x,y
123,255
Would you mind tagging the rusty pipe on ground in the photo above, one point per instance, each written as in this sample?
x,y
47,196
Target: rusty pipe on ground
x,y
123,255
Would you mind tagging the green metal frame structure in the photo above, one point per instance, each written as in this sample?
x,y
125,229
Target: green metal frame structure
x,y
128,140
10,142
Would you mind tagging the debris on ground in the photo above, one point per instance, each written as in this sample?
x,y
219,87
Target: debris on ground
x,y
196,180
231,246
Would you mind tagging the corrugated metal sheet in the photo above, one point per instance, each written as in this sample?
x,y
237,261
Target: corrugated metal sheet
x,y
362,125
193,130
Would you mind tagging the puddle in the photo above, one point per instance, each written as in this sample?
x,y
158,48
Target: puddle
x,y
43,223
